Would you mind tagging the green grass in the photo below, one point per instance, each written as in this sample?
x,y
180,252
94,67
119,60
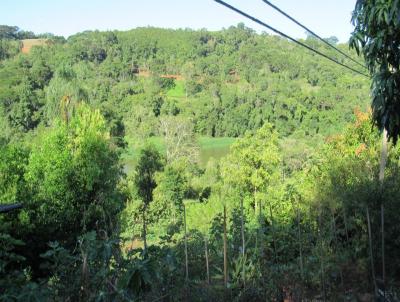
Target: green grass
x,y
210,147
213,147
134,146
178,91
206,142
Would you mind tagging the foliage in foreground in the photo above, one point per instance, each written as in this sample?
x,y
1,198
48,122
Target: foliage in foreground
x,y
303,235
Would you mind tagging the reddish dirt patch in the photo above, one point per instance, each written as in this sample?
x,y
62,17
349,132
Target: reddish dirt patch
x,y
234,76
133,244
172,76
27,44
142,72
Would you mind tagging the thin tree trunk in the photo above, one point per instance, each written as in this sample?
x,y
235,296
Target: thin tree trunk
x,y
280,289
186,248
346,225
260,221
384,156
321,255
258,233
370,251
85,276
300,245
225,252
336,248
301,253
383,249
243,240
144,230
207,263
273,234
255,201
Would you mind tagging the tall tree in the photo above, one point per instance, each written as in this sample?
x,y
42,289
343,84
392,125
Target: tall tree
x,y
179,137
150,161
172,186
69,184
253,162
377,37
72,173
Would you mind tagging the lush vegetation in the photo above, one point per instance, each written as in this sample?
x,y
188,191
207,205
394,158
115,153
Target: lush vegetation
x,y
116,143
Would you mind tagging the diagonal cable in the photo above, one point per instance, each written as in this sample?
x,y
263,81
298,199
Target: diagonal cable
x,y
287,37
311,32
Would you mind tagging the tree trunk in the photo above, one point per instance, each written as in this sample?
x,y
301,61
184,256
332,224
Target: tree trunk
x,y
384,156
301,253
370,252
255,201
383,249
207,263
321,255
144,230
260,221
280,292
225,252
337,248
300,245
243,240
273,234
186,248
85,276
346,226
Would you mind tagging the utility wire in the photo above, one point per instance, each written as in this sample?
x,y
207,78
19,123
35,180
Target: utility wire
x,y
287,37
311,32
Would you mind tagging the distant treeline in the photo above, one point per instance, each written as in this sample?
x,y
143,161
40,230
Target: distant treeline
x,y
15,33
224,82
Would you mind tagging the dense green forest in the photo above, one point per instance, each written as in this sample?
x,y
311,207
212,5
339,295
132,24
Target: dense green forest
x,y
190,165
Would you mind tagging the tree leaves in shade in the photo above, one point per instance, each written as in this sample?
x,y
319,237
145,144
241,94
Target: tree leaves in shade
x,y
377,37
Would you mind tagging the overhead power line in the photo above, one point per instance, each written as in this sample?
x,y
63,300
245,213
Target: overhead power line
x,y
311,32
287,37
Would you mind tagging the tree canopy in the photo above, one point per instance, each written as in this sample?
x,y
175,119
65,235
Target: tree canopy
x,y
377,37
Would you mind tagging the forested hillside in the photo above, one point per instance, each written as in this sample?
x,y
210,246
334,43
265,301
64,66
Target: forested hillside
x,y
224,82
188,165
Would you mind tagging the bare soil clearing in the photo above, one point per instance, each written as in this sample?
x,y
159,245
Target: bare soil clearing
x,y
27,44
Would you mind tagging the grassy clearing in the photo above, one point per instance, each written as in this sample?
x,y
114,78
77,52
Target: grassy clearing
x,y
178,91
134,146
214,147
206,142
210,147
